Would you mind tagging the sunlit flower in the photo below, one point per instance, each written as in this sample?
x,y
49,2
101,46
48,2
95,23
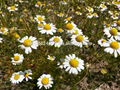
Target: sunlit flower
x,y
90,9
112,33
70,27
79,40
13,8
51,58
103,7
27,74
29,43
113,47
89,15
38,4
17,59
45,81
40,18
3,30
47,29
56,41
60,30
73,64
60,14
102,42
17,77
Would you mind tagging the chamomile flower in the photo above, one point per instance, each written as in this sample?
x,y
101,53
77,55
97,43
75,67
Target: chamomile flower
x,y
73,64
28,43
79,40
3,30
117,4
60,30
78,31
13,8
103,7
89,15
17,77
47,29
60,14
38,4
70,27
40,18
68,19
45,81
56,41
90,9
102,42
17,59
1,39
113,47
27,74
112,33
51,58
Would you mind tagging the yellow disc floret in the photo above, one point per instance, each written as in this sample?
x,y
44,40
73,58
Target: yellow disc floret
x,y
27,43
12,7
47,27
118,22
16,58
40,19
114,31
74,63
79,38
17,76
115,45
45,81
69,26
56,39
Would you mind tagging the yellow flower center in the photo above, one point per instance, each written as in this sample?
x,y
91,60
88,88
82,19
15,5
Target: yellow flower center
x,y
69,26
2,29
56,40
45,81
12,7
74,63
27,43
68,19
114,45
118,22
117,3
16,58
114,31
40,19
16,35
47,27
17,76
38,3
103,41
27,75
60,30
79,38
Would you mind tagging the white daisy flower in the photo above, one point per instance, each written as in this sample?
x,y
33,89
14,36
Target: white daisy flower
x,y
89,15
27,74
1,39
17,77
90,9
40,18
103,7
113,47
70,27
45,81
79,40
51,58
3,30
47,29
60,14
117,3
17,59
116,24
112,33
29,43
102,42
68,19
56,41
78,31
13,8
73,64
38,4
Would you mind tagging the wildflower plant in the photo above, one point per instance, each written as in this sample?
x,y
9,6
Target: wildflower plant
x,y
59,44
